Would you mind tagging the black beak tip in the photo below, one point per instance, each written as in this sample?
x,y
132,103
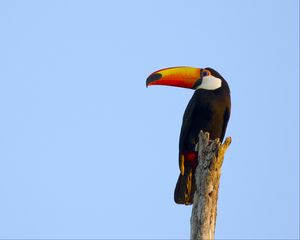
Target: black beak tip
x,y
152,78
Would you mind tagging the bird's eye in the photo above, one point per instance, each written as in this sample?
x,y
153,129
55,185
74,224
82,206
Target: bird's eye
x,y
205,73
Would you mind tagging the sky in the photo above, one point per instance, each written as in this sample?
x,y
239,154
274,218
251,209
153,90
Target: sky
x,y
88,152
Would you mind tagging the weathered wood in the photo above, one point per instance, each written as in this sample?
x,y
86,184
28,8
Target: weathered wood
x,y
207,175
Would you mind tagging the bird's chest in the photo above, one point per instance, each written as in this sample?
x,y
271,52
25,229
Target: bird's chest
x,y
208,115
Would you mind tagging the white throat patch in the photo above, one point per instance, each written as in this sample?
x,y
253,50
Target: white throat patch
x,y
210,83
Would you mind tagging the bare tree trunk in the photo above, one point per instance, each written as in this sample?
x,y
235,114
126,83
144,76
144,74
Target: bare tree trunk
x,y
207,175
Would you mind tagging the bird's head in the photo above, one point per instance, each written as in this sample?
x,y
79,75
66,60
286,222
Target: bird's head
x,y
187,77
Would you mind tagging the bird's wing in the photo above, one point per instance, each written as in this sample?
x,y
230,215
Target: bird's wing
x,y
225,122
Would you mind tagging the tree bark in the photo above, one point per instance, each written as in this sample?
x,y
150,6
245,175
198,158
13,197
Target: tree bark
x,y
207,175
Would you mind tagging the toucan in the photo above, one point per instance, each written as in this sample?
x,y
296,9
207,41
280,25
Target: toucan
x,y
208,110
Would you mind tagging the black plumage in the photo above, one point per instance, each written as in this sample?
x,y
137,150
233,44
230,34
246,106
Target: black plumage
x,y
209,111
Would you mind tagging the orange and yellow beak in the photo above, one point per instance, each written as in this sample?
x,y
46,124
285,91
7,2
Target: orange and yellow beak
x,y
185,77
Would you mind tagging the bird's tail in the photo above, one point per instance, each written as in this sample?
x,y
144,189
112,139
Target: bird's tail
x,y
185,187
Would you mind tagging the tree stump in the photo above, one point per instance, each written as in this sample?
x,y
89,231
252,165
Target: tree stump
x,y
208,172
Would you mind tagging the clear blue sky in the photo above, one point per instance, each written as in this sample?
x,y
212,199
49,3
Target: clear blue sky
x,y
86,151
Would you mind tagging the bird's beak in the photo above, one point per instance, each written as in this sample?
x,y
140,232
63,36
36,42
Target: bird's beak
x,y
185,77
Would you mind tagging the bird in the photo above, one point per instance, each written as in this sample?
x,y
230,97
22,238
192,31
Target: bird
x,y
208,110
